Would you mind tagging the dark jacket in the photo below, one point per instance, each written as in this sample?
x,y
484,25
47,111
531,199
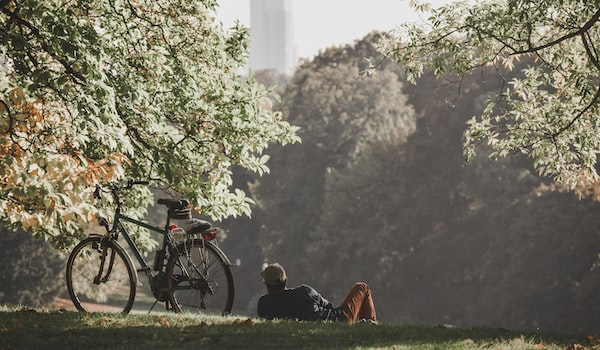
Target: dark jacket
x,y
302,303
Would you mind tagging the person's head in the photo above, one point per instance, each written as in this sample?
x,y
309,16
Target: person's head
x,y
274,277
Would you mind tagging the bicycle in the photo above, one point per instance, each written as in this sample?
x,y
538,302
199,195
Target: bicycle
x,y
190,273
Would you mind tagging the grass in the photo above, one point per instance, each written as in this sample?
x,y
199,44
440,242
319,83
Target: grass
x,y
25,328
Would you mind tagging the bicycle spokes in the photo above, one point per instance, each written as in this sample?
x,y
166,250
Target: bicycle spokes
x,y
100,279
206,285
190,273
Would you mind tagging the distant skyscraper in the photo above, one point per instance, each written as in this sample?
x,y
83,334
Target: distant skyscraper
x,y
272,36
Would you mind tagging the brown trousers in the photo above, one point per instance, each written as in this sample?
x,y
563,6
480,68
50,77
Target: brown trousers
x,y
358,304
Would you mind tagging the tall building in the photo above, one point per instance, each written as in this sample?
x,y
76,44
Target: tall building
x,y
272,36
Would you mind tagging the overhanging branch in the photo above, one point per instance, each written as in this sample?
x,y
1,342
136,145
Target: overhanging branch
x,y
568,36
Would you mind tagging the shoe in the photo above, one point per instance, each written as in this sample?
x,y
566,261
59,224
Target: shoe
x,y
369,321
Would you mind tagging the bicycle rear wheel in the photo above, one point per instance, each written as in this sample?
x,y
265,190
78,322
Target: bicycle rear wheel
x,y
98,284
200,280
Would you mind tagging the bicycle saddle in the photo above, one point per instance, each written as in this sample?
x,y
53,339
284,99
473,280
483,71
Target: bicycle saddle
x,y
197,226
174,204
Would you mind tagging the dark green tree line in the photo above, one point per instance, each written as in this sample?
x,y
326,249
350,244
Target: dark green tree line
x,y
439,240
341,115
31,270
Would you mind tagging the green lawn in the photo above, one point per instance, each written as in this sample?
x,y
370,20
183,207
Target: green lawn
x,y
22,328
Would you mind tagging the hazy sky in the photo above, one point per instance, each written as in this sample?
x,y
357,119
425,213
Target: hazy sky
x,y
323,23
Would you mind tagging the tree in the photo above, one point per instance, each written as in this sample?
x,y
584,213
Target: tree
x,y
341,116
30,270
113,89
438,241
551,110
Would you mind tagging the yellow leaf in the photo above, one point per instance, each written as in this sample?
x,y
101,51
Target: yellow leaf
x,y
16,96
33,170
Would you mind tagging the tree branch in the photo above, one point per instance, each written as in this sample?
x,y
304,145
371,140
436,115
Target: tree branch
x,y
580,31
594,101
590,50
68,69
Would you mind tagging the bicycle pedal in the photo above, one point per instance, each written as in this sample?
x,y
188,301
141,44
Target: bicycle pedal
x,y
139,284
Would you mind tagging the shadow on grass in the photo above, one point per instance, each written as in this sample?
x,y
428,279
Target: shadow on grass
x,y
71,330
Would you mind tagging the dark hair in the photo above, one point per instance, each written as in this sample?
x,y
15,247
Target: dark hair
x,y
276,287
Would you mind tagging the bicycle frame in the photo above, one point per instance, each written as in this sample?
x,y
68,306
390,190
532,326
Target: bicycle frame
x,y
119,227
187,261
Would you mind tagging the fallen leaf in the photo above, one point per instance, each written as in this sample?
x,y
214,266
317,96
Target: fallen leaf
x,y
104,321
28,309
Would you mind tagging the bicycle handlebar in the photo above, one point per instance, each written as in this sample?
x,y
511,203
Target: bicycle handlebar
x,y
114,188
132,183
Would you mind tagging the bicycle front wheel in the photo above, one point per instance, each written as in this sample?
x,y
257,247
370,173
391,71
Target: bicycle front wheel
x,y
200,279
100,277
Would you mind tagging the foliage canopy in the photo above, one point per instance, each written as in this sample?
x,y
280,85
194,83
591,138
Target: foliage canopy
x,y
551,110
112,89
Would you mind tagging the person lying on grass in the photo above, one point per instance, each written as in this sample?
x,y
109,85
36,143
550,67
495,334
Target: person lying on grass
x,y
303,303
